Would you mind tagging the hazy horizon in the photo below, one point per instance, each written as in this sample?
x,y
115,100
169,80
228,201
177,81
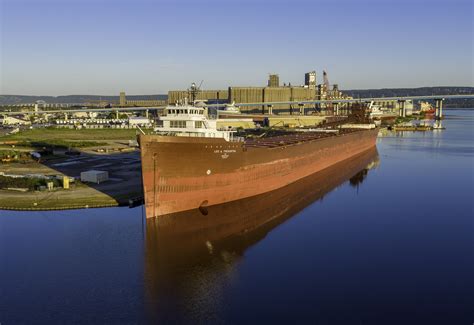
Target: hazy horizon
x,y
58,48
184,88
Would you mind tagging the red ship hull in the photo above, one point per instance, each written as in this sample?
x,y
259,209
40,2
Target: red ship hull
x,y
431,111
183,173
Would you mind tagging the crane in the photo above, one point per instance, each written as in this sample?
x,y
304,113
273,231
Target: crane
x,y
326,80
194,90
326,84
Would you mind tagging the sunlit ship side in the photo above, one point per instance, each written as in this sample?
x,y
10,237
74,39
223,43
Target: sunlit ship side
x,y
189,164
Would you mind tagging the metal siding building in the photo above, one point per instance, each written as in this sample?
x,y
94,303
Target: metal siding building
x,y
175,96
272,93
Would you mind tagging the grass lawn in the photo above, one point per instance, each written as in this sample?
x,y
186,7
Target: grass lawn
x,y
66,138
44,134
55,200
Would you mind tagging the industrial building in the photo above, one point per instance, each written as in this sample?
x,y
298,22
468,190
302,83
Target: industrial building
x,y
310,79
272,93
274,80
123,102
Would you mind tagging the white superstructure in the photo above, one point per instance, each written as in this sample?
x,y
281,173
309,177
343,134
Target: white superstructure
x,y
192,121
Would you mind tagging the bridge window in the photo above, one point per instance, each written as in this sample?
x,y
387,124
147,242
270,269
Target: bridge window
x,y
177,124
198,124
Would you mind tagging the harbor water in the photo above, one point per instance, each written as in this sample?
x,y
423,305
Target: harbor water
x,y
387,238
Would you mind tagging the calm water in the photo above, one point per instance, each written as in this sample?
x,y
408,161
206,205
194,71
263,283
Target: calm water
x,y
392,245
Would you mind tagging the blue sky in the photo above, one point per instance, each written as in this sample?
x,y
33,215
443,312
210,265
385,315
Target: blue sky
x,y
59,47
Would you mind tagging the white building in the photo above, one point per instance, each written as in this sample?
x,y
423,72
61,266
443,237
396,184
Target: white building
x,y
138,120
94,176
11,120
80,115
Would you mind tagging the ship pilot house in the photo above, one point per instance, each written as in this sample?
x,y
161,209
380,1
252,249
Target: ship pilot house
x,y
192,121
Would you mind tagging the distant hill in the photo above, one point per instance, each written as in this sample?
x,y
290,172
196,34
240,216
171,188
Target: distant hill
x,y
423,91
356,93
76,99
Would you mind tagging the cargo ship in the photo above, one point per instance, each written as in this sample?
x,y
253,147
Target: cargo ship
x,y
188,163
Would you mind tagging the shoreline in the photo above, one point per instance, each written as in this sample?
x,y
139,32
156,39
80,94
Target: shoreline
x,y
82,198
78,207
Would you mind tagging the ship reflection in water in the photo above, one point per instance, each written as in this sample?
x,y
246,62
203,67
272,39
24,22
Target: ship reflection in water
x,y
191,256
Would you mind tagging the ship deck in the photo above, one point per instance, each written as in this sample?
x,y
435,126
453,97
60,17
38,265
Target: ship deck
x,y
292,138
